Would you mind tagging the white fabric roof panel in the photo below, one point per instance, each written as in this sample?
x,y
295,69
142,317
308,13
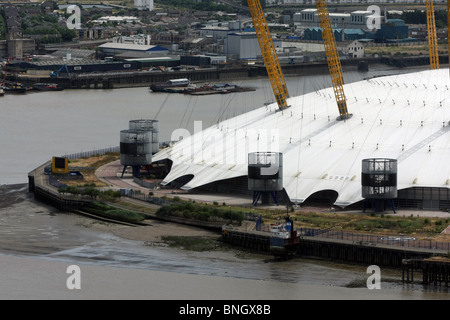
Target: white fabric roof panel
x,y
404,117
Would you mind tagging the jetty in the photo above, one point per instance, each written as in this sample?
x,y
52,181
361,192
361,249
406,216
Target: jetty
x,y
430,258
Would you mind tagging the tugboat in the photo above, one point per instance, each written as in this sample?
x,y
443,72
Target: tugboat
x,y
47,87
284,240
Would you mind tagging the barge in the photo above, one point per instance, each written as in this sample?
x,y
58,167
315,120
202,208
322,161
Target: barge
x,y
13,87
172,85
216,89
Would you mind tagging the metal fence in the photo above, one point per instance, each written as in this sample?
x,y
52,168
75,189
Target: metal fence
x,y
401,241
146,197
95,152
397,241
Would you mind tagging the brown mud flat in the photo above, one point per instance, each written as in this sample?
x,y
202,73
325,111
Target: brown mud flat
x,y
19,211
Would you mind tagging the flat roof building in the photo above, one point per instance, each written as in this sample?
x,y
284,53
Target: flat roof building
x,y
113,48
356,19
245,45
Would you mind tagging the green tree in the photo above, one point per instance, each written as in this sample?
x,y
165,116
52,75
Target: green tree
x,y
67,34
91,192
2,28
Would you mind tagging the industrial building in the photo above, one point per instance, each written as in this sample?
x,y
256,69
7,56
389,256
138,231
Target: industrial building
x,y
401,117
356,19
244,45
220,32
113,48
156,61
315,34
352,26
67,67
144,5
393,29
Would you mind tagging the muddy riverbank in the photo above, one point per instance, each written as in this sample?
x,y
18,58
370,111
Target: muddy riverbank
x,y
135,263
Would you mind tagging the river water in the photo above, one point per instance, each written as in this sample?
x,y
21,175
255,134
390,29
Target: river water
x,y
36,126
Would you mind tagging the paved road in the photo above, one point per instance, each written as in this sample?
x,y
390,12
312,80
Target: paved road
x,y
111,174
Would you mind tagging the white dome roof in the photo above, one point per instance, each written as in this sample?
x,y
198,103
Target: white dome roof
x,y
404,117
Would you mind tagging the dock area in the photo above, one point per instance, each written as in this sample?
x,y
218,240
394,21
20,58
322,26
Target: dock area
x,y
431,262
435,270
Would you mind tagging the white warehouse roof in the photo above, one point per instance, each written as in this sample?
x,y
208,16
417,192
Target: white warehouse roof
x,y
130,47
404,117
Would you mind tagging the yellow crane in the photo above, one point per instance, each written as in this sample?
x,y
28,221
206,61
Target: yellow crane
x,y
269,54
432,38
334,64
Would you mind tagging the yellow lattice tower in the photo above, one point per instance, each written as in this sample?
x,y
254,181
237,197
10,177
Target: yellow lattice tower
x,y
432,38
269,54
334,64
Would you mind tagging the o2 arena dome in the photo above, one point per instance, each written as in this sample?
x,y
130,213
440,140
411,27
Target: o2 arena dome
x,y
404,117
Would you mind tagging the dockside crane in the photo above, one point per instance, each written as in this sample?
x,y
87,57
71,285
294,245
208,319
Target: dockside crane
x,y
334,64
269,54
56,74
432,38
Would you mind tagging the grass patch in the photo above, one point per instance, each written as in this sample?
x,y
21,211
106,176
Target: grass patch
x,y
370,223
110,212
90,163
202,212
406,225
320,220
135,207
192,243
91,191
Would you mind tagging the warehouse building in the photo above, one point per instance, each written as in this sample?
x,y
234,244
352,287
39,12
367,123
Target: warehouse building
x,y
113,48
245,45
64,66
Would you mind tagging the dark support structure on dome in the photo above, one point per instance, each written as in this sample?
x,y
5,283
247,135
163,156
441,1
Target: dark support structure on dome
x,y
265,175
379,182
